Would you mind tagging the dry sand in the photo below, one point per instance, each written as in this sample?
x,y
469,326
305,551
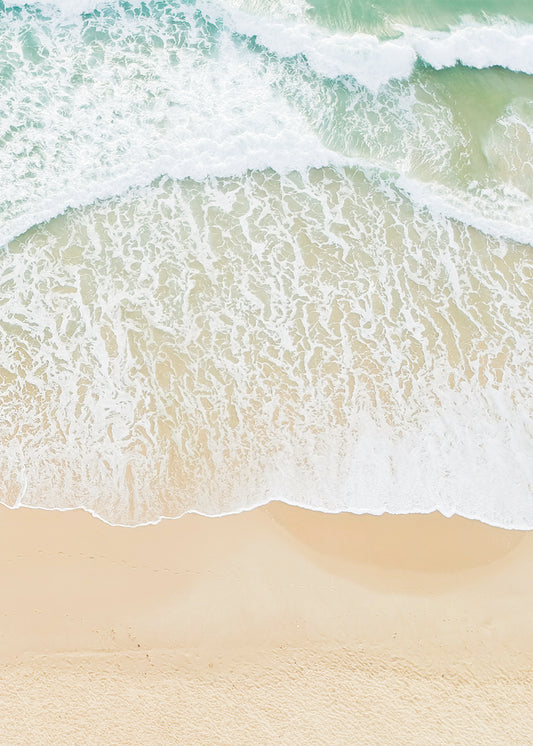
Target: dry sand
x,y
276,626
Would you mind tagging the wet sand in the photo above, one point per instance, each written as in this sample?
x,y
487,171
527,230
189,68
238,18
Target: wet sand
x,y
275,626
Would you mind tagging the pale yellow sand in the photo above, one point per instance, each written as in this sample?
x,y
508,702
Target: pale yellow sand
x,y
276,626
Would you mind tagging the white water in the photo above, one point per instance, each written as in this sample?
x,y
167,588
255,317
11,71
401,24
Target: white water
x,y
198,347
475,45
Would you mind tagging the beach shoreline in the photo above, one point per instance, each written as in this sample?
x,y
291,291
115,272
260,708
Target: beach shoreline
x,y
277,625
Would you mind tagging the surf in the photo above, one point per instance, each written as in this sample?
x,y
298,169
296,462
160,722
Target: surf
x,y
247,256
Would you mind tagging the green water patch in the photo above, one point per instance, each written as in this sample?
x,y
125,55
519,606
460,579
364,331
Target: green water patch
x,y
478,99
380,18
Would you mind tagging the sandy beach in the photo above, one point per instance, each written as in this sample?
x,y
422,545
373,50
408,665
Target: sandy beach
x,y
274,626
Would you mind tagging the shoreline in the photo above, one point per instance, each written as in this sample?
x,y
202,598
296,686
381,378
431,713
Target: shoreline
x,y
224,631
264,506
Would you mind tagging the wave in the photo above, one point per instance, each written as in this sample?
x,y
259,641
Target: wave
x,y
513,223
374,62
370,61
503,44
299,152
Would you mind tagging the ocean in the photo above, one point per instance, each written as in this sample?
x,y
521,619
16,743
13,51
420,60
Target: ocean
x,y
257,250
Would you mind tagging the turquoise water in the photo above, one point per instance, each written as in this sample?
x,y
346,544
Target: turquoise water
x,y
381,18
266,250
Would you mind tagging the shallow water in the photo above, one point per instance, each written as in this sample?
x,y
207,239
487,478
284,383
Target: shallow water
x,y
260,251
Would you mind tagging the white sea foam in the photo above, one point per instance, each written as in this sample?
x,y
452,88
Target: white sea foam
x,y
212,346
496,210
475,45
370,61
272,8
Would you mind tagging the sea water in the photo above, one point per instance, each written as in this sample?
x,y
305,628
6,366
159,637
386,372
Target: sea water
x,y
267,249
